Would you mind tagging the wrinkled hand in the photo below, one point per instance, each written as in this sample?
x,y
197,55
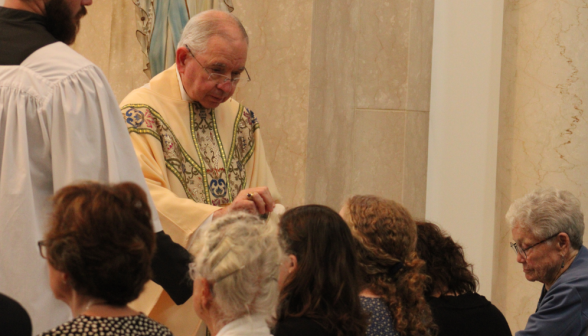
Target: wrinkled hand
x,y
261,202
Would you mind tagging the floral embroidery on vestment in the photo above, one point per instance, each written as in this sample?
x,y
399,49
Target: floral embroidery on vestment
x,y
220,176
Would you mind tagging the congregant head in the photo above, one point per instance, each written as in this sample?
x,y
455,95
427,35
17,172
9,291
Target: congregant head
x,y
211,57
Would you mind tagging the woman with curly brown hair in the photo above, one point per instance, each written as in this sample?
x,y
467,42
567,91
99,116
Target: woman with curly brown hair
x,y
99,248
457,308
393,283
318,280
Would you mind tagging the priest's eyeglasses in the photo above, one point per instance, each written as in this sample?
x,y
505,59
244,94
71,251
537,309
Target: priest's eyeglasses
x,y
219,78
42,248
523,251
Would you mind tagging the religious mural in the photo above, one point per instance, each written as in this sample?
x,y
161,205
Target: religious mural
x,y
160,24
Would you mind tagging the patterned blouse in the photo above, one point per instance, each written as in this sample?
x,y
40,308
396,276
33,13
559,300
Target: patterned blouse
x,y
381,322
137,325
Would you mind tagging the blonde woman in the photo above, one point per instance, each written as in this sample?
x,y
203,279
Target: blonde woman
x,y
236,260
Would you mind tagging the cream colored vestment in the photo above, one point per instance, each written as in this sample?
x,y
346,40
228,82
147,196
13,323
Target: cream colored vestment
x,y
194,161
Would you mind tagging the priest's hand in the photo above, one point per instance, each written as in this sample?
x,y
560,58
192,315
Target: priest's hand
x,y
256,201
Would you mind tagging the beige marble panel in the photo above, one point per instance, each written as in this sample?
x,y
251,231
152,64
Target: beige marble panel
x,y
420,55
93,40
378,153
414,183
126,60
332,101
543,135
279,64
382,54
107,38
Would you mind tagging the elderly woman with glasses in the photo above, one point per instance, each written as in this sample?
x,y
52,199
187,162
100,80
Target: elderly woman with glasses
x,y
235,269
547,229
99,248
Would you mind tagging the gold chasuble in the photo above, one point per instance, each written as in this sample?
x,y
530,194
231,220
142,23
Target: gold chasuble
x,y
194,161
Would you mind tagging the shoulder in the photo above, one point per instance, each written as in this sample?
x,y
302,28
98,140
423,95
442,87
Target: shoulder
x,y
141,96
575,279
13,317
69,327
57,62
299,326
381,322
151,327
43,72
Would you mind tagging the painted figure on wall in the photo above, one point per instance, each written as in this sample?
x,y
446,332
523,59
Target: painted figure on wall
x,y
160,24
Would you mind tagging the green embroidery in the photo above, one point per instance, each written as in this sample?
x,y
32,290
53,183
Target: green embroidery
x,y
177,159
218,178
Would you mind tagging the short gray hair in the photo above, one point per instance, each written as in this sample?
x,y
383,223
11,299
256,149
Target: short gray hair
x,y
239,255
546,212
206,24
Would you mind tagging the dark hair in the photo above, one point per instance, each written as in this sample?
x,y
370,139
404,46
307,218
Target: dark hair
x,y
325,286
446,265
102,237
385,235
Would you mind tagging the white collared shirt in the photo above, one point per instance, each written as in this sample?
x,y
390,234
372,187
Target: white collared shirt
x,y
249,325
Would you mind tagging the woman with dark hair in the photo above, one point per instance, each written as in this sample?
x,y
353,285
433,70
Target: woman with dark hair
x,y
392,281
99,248
319,276
457,308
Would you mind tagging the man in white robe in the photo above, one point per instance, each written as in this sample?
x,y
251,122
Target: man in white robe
x,y
59,123
201,151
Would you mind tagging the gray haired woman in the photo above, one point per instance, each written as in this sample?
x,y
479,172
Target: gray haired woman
x,y
547,229
235,268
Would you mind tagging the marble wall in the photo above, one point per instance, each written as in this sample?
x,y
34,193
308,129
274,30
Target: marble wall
x,y
369,101
278,62
543,129
279,65
341,89
107,38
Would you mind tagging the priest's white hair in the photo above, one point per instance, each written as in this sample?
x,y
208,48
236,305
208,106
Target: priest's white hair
x,y
547,212
238,254
206,24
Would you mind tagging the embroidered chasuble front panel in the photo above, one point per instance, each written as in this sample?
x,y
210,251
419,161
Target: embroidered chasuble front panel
x,y
216,175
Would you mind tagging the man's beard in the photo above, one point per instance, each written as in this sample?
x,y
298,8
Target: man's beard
x,y
61,22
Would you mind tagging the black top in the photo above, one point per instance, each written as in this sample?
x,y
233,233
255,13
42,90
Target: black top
x,y
299,326
14,320
23,33
138,325
468,314
381,322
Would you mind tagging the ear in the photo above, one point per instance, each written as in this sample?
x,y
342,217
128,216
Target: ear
x,y
181,57
207,294
293,263
563,242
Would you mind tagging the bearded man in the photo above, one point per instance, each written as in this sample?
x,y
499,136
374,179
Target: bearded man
x,y
59,123
201,151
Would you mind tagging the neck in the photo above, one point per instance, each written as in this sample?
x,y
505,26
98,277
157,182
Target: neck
x,y
34,6
96,307
368,293
79,304
210,317
568,260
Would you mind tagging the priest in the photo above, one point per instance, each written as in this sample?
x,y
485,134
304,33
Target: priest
x,y
200,150
59,123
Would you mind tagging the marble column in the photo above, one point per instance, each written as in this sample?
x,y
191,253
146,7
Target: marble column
x,y
543,128
369,101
